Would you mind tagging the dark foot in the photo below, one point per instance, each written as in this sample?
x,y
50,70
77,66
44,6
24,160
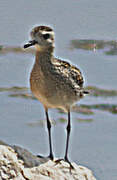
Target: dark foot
x,y
47,157
66,160
59,160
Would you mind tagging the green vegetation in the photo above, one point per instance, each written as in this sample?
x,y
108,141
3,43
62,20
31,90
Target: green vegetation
x,y
94,91
108,47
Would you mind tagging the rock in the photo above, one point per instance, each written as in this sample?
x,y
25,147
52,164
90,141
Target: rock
x,y
28,158
13,168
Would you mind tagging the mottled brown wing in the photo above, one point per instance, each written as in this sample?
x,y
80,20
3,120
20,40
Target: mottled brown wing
x,y
76,75
70,71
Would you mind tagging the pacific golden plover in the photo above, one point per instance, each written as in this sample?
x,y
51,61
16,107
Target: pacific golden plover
x,y
54,82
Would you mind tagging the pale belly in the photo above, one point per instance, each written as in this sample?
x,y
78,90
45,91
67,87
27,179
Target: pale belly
x,y
51,97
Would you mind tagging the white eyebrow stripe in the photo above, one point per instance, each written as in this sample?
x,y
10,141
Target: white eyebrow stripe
x,y
50,40
47,32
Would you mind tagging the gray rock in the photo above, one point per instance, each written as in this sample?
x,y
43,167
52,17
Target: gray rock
x,y
13,168
28,158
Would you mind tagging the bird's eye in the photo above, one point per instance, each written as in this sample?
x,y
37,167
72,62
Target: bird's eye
x,y
46,36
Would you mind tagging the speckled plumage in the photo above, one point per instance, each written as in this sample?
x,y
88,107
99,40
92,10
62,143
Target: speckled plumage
x,y
54,82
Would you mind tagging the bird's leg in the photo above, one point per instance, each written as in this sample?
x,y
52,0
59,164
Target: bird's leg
x,y
49,134
68,128
67,142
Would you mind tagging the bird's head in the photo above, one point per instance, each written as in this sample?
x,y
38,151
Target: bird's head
x,y
42,37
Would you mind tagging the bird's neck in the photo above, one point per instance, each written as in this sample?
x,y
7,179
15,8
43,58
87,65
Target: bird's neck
x,y
44,56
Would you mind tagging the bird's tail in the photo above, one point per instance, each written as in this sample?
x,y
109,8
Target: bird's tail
x,y
85,92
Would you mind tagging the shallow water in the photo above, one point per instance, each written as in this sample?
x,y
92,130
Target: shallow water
x,y
93,143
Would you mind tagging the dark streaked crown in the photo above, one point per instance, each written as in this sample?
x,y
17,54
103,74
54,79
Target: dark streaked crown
x,y
41,29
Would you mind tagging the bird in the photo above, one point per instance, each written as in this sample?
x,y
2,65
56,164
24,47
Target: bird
x,y
54,82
